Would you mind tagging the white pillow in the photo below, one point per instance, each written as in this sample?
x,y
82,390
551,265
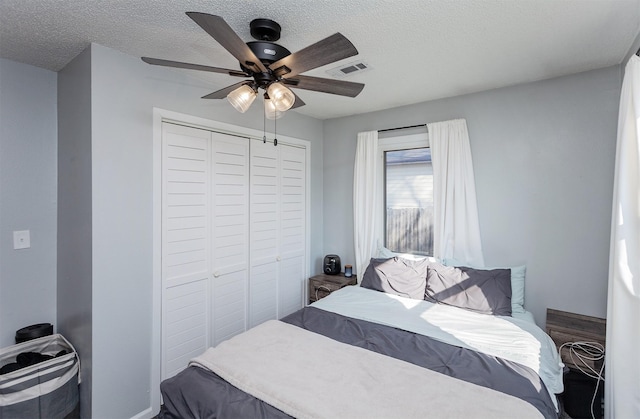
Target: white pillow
x,y
517,282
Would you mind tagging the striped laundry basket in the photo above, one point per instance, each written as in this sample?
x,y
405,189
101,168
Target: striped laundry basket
x,y
48,389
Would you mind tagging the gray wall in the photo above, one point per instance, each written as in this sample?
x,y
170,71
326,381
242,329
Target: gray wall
x,y
124,91
27,197
543,156
74,216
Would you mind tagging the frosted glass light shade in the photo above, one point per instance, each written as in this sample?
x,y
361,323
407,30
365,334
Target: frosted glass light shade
x,y
270,110
282,97
242,98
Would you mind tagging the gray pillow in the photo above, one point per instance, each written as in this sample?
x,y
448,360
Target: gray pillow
x,y
483,291
396,275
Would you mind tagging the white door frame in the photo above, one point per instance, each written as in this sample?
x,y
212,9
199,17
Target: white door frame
x,y
160,116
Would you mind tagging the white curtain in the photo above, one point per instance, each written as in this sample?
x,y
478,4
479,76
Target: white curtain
x,y
622,359
456,227
365,199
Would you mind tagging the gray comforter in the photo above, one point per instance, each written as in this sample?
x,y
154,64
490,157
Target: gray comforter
x,y
199,393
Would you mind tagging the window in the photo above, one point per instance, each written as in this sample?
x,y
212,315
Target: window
x,y
407,180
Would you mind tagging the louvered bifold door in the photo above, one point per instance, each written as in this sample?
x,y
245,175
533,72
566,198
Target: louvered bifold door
x,y
277,231
230,235
292,255
186,208
264,233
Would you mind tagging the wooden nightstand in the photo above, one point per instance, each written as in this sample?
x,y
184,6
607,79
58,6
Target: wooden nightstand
x,y
583,395
566,327
322,285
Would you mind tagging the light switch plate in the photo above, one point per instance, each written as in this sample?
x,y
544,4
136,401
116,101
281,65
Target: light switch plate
x,y
21,239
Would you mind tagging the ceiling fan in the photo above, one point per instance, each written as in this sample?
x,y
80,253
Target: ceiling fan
x,y
269,66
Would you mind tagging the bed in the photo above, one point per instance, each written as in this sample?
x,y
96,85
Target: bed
x,y
387,348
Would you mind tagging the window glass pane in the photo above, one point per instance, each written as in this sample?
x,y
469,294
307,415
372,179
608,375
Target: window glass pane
x,y
409,201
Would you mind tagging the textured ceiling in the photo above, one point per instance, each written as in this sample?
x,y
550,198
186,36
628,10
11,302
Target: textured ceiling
x,y
418,49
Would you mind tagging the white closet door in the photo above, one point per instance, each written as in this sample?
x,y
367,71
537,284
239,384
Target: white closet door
x,y
186,198
233,238
292,275
277,231
230,235
205,241
264,232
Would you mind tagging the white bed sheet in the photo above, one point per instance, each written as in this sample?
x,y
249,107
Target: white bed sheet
x,y
514,339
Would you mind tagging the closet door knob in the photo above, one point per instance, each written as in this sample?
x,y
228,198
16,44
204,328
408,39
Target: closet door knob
x,y
216,274
278,258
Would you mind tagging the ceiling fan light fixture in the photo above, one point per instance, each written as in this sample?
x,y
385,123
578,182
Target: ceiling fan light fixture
x,y
283,98
242,98
270,110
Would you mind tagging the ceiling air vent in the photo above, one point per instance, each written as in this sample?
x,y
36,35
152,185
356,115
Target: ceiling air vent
x,y
348,69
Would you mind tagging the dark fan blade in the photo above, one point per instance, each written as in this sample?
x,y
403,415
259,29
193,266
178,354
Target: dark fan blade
x,y
222,32
329,50
318,84
222,93
177,64
299,102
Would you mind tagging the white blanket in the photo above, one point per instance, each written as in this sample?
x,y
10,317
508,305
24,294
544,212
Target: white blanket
x,y
508,338
308,375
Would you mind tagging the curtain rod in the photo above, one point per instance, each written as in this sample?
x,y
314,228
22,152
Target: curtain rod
x,y
407,127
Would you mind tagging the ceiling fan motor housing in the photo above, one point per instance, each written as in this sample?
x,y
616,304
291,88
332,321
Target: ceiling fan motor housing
x,y
268,52
266,32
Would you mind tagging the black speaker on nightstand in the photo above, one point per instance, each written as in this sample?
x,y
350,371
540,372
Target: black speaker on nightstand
x,y
331,265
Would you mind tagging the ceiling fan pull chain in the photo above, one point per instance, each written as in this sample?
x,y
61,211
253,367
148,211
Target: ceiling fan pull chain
x,y
275,132
264,123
